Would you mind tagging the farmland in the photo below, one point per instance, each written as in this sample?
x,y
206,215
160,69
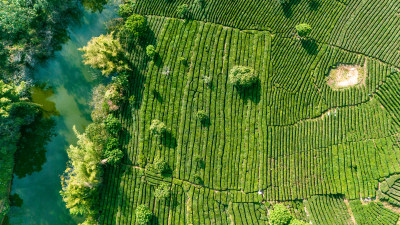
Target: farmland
x,y
291,138
242,112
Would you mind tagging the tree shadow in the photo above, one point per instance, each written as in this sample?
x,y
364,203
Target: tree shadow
x,y
157,95
313,5
31,151
287,7
252,93
310,46
206,122
168,140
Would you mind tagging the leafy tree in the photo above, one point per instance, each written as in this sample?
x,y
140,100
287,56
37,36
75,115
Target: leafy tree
x,y
105,53
150,51
112,143
183,11
280,215
199,162
143,215
113,156
197,179
242,76
303,30
112,125
160,166
163,191
135,26
16,17
158,128
126,9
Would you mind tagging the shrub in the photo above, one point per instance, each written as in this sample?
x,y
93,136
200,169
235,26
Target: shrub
x,y
280,215
183,11
158,128
303,30
143,215
183,60
163,191
150,51
199,3
197,179
112,125
199,162
242,76
202,116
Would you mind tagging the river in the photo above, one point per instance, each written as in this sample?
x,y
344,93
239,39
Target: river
x,y
71,83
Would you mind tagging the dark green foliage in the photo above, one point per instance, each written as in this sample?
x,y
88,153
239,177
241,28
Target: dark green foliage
x,y
182,11
15,200
280,215
112,125
150,51
303,30
163,191
199,162
158,128
284,2
200,3
198,180
242,76
135,26
143,215
113,156
112,143
126,9
160,166
94,5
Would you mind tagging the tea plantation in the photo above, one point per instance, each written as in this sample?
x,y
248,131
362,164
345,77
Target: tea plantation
x,y
314,125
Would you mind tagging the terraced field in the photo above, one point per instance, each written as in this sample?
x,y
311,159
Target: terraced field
x,y
292,137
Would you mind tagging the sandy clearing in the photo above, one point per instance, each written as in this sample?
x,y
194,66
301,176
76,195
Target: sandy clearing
x,y
345,76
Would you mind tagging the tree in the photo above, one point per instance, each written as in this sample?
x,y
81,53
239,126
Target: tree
x,y
158,128
163,191
143,215
105,53
182,11
160,166
242,76
150,51
303,30
199,3
113,156
135,26
112,125
280,215
16,17
126,9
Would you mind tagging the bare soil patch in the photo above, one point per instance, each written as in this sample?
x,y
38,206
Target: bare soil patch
x,y
345,76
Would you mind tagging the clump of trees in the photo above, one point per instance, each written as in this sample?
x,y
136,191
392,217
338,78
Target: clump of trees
x,y
303,30
143,215
242,76
105,53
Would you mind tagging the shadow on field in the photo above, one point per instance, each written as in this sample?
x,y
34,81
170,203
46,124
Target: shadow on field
x,y
313,5
310,46
287,7
252,93
168,140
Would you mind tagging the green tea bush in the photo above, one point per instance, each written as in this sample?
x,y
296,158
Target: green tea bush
x,y
183,11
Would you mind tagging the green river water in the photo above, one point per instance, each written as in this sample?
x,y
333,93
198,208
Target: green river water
x,y
71,83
